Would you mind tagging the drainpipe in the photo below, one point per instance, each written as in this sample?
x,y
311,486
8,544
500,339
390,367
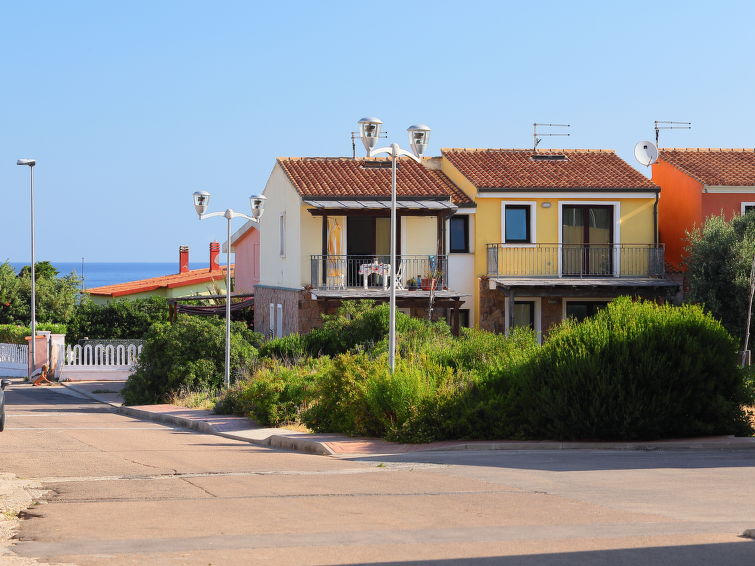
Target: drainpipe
x,y
655,217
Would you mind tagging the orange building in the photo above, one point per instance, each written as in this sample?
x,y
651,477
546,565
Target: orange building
x,y
697,183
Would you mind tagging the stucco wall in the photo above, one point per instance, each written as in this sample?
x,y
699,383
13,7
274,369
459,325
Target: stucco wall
x,y
679,208
730,204
247,260
277,270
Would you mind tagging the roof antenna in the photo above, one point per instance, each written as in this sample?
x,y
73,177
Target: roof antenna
x,y
536,140
658,128
355,136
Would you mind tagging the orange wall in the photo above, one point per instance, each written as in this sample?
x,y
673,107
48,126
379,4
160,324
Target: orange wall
x,y
730,203
679,208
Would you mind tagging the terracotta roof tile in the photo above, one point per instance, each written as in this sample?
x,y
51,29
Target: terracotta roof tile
x,y
714,166
344,177
516,169
191,277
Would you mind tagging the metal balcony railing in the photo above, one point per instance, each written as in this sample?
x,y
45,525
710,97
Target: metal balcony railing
x,y
576,260
374,271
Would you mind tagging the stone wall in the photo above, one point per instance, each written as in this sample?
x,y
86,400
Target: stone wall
x,y
492,308
551,311
289,298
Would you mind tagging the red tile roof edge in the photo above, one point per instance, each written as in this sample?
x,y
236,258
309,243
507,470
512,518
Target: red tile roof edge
x,y
171,281
701,150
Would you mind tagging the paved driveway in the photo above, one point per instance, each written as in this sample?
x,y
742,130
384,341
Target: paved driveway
x,y
124,491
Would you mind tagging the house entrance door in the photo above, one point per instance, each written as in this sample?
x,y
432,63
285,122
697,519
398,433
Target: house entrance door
x,y
587,237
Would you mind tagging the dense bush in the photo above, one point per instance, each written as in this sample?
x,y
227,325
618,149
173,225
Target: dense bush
x,y
117,319
15,334
56,296
636,370
188,355
277,395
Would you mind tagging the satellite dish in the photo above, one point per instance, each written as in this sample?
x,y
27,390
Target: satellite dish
x,y
646,153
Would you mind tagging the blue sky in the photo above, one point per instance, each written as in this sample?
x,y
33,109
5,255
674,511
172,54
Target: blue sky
x,y
129,107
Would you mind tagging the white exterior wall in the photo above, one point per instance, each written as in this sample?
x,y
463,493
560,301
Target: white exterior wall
x,y
281,198
461,270
311,241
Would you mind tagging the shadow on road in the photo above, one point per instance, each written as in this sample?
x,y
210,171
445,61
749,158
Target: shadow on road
x,y
699,554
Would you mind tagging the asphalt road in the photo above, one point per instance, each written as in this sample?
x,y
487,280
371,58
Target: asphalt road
x,y
124,491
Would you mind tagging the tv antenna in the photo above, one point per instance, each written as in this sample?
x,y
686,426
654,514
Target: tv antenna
x,y
669,126
355,136
646,153
536,140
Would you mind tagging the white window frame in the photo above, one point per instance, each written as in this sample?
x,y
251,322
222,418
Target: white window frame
x,y
538,315
533,223
271,321
744,205
282,233
616,228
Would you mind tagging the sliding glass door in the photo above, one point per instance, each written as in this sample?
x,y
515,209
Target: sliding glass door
x,y
587,237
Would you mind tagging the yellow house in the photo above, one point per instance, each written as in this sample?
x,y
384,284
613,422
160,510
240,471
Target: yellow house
x,y
557,233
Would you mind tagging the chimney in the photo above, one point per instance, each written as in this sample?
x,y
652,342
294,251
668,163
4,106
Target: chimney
x,y
214,256
183,259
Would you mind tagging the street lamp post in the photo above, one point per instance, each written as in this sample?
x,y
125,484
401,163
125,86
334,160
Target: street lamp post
x,y
201,202
419,135
30,163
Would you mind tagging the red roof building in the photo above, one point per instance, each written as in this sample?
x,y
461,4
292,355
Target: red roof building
x,y
697,183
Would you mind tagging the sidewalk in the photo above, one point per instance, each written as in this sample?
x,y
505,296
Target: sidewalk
x,y
241,428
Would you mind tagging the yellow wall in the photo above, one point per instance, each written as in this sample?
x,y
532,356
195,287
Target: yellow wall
x,y
635,220
206,288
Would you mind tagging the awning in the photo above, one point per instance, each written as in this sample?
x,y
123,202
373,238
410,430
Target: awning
x,y
442,206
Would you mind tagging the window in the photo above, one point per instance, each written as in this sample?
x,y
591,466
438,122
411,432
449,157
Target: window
x,y
271,320
282,234
517,223
582,309
747,207
524,314
279,322
459,234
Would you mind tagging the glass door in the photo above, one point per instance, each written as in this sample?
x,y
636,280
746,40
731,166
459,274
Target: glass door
x,y
587,237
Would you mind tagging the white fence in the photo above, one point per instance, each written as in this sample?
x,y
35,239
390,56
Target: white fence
x,y
99,362
14,360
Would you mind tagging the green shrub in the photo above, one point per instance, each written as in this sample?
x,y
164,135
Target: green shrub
x,y
290,348
636,370
188,355
117,319
55,296
275,395
14,334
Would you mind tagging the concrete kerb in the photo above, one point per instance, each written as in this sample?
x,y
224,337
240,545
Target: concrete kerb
x,y
278,441
299,441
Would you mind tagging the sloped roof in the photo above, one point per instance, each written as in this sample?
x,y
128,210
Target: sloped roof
x,y
594,169
185,279
346,178
714,166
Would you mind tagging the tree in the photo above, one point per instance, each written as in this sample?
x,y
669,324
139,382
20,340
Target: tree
x,y
116,319
56,296
719,259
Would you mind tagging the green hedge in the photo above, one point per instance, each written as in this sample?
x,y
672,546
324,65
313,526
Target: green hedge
x,y
636,370
14,334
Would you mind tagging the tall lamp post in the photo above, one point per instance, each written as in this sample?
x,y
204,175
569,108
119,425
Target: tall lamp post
x,y
30,163
201,202
419,136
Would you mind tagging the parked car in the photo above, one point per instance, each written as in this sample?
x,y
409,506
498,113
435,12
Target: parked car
x,y
3,384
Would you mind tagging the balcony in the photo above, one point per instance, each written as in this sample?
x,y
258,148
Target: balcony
x,y
575,260
374,272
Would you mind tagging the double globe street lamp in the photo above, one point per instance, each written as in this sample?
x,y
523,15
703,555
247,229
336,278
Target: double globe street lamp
x,y
201,202
419,136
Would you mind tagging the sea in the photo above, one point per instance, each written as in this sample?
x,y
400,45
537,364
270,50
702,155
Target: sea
x,y
97,274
